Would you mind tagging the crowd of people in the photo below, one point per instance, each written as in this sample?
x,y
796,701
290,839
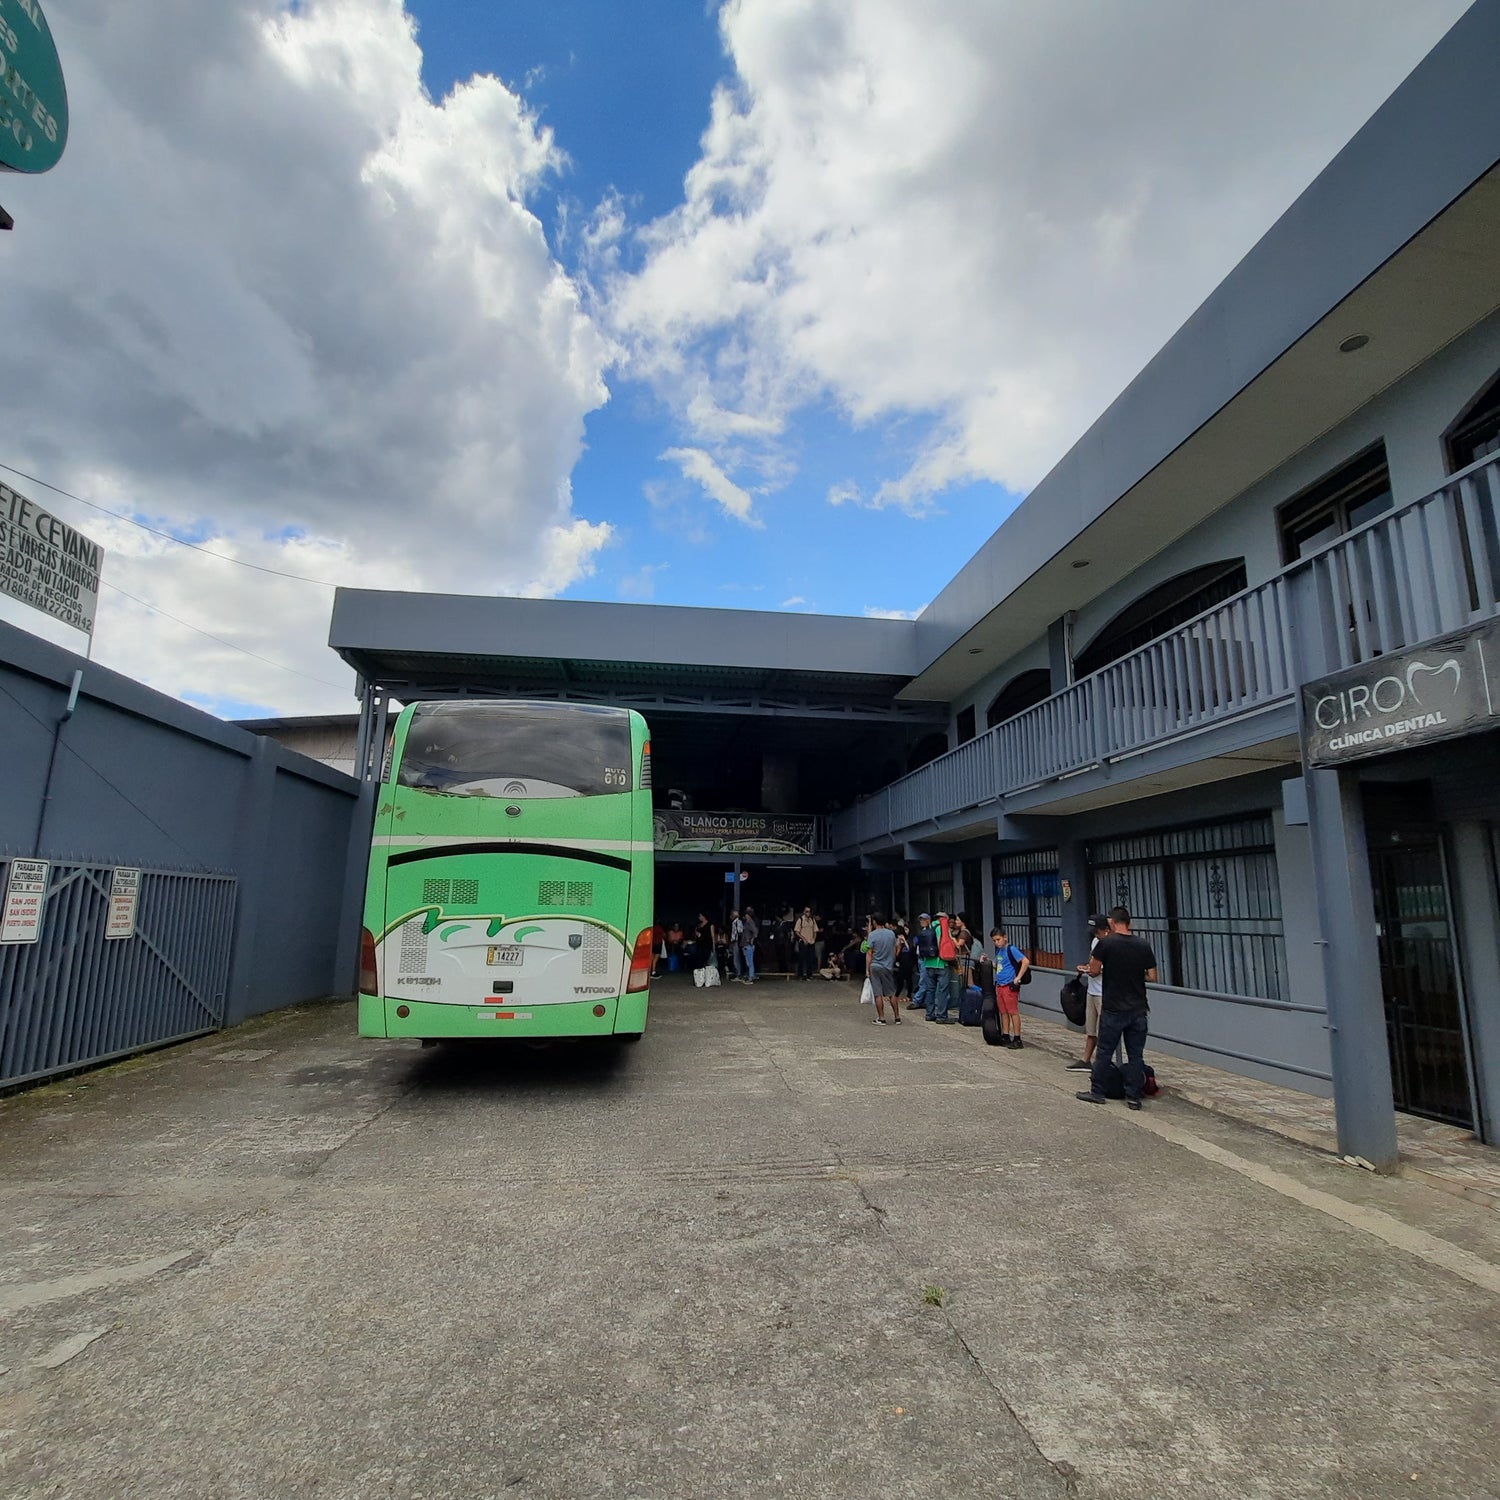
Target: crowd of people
x,y
931,966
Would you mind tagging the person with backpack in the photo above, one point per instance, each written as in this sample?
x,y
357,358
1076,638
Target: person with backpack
x,y
1098,928
1011,967
805,930
1127,964
945,976
743,934
924,944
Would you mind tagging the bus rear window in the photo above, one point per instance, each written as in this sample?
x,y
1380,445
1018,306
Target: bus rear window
x,y
517,750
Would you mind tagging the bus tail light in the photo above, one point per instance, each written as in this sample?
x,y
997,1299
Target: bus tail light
x,y
369,977
641,960
646,766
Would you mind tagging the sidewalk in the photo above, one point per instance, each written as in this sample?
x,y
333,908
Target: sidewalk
x,y
1445,1157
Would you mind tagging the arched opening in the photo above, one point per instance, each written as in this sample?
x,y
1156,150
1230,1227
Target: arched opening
x,y
1475,433
1024,690
1164,608
929,747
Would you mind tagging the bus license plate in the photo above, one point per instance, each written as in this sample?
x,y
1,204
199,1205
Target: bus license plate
x,y
506,953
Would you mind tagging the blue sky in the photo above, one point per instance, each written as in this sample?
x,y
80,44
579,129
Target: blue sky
x,y
626,89
774,304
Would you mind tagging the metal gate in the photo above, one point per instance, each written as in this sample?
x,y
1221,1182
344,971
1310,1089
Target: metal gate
x,y
74,997
1423,1010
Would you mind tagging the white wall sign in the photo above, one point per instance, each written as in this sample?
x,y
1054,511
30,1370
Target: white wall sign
x,y
25,897
124,897
46,564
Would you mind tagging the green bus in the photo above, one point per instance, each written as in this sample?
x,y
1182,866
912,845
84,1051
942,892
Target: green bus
x,y
511,875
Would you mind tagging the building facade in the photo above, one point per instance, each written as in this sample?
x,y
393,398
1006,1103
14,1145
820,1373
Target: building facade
x,y
1229,664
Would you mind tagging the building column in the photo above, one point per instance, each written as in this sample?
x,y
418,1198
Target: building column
x,y
987,902
1072,866
1346,945
1476,923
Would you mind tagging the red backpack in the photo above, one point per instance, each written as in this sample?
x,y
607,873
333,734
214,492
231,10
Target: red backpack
x,y
947,948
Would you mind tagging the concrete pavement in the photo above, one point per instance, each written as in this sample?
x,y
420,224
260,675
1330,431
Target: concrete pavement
x,y
771,1250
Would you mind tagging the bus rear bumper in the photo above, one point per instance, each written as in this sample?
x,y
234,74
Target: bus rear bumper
x,y
379,1017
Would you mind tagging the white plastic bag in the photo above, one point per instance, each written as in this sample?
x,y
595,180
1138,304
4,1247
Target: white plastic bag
x,y
867,994
698,977
711,979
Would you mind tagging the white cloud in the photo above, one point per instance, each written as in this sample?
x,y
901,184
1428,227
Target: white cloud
x,y
793,603
698,465
984,214
641,584
272,283
873,612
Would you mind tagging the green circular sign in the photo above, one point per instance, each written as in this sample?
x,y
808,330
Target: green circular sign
x,y
33,96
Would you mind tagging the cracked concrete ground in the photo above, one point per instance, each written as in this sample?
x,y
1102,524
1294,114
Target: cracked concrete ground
x,y
286,1262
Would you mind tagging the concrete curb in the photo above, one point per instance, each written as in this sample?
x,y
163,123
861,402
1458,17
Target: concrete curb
x,y
1044,1036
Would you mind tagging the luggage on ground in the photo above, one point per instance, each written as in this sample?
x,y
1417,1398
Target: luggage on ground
x,y
971,1006
989,1018
1114,1082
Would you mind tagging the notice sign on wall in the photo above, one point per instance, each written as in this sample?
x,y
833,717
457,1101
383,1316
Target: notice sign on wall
x,y
46,564
124,897
25,896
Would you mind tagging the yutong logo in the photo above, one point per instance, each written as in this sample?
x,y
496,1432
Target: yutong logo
x,y
1420,694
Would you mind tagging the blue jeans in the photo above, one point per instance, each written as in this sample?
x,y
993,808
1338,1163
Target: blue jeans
x,y
924,986
744,961
1116,1026
939,984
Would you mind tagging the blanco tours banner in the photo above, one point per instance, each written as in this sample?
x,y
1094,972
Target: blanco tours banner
x,y
46,564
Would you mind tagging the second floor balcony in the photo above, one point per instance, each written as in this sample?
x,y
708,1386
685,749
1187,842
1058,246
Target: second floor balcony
x,y
1417,572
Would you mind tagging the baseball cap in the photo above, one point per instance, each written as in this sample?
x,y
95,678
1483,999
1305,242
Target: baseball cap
x,y
1098,922
924,916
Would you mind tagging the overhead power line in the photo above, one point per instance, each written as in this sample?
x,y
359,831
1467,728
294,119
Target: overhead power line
x,y
238,562
156,609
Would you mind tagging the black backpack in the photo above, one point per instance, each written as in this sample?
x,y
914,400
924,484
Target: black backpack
x,y
1075,999
1114,1082
1015,953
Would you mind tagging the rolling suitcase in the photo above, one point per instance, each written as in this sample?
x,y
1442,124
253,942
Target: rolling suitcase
x,y
971,1006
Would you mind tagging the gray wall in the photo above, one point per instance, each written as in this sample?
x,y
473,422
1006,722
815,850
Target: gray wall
x,y
1281,1042
141,779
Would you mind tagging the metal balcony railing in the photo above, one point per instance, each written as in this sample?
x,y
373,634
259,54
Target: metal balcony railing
x,y
1419,571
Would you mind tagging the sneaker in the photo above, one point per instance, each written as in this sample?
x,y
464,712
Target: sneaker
x,y
878,1021
939,1020
1132,1104
897,1021
1090,1097
1017,1043
1079,1066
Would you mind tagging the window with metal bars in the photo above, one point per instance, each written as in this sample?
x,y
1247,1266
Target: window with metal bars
x,y
1028,905
1208,900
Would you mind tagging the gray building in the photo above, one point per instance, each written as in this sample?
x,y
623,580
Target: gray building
x,y
1228,664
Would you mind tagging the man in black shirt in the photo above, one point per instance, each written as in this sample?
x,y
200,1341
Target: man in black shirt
x,y
1128,965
